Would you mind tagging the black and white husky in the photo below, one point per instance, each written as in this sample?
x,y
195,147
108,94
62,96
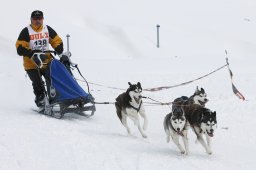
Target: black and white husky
x,y
199,98
129,104
175,126
203,122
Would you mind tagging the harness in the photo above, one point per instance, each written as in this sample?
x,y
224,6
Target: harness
x,y
137,109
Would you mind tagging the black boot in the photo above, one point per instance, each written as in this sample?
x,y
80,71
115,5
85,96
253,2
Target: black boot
x,y
39,100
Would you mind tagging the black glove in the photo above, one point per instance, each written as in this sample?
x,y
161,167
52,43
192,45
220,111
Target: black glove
x,y
43,57
36,59
64,59
25,51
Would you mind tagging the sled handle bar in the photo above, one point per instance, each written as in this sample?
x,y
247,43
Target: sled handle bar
x,y
43,52
37,56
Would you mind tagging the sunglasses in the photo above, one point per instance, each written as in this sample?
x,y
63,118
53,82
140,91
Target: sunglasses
x,y
37,18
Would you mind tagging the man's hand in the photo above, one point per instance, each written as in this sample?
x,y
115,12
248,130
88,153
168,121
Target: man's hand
x,y
68,54
64,57
32,52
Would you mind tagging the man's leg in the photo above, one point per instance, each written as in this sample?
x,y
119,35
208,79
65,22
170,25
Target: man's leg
x,y
38,86
46,74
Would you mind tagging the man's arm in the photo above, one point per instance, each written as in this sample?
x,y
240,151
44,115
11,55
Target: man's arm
x,y
55,40
22,44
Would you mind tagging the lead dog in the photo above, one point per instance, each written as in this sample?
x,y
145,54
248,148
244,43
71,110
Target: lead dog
x,y
175,126
129,104
203,122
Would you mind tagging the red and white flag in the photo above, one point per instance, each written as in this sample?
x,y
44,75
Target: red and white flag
x,y
237,92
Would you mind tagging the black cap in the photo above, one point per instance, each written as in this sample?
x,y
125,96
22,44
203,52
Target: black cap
x,y
37,14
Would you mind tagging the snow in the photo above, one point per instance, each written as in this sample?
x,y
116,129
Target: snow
x,y
114,42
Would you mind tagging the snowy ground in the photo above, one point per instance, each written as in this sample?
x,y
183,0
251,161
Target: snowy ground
x,y
114,42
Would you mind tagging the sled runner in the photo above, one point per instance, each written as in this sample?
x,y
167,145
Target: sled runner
x,y
63,94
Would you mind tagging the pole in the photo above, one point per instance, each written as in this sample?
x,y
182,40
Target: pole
x,y
68,42
157,28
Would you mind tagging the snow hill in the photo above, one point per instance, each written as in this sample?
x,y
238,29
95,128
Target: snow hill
x,y
114,42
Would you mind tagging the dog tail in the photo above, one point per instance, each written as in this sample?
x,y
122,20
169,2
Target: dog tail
x,y
118,111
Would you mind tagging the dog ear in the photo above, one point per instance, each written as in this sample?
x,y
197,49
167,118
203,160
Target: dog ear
x,y
129,83
202,90
196,91
183,118
214,113
139,85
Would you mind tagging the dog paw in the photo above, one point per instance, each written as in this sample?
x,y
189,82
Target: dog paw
x,y
182,152
209,152
128,131
144,136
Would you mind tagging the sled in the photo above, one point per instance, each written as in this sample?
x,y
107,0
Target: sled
x,y
64,95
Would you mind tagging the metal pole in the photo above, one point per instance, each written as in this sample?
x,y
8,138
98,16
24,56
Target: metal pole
x,y
68,42
157,27
69,53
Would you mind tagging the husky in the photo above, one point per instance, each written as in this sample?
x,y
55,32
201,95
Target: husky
x,y
199,98
129,104
203,122
175,126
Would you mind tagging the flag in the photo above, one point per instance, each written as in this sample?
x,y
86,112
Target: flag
x,y
237,93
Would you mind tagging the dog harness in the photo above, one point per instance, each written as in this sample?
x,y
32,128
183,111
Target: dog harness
x,y
137,109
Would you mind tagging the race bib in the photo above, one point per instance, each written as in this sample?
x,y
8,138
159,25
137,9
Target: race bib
x,y
39,40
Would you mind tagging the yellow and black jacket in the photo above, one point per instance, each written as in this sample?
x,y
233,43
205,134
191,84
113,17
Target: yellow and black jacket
x,y
22,45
